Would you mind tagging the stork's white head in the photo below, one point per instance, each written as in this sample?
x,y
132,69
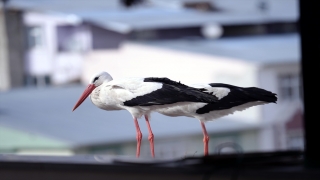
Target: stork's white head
x,y
99,78
95,81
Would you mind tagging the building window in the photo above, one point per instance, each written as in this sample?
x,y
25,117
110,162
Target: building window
x,y
35,37
290,87
73,38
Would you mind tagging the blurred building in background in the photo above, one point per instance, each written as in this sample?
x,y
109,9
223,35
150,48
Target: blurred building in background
x,y
59,38
244,43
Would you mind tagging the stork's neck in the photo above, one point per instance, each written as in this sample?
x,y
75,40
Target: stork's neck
x,y
100,99
95,97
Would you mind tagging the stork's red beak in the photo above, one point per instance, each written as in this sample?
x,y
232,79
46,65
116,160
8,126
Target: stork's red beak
x,y
84,95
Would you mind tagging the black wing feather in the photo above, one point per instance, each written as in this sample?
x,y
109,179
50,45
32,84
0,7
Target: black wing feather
x,y
171,92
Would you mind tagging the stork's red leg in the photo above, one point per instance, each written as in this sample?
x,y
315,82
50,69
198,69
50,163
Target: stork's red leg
x,y
205,138
139,136
150,137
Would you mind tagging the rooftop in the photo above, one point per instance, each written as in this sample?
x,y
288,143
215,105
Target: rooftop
x,y
156,14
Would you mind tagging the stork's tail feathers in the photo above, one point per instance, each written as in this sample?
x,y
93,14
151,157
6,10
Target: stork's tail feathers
x,y
253,93
261,94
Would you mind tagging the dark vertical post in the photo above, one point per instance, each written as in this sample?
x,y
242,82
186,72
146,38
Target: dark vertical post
x,y
12,46
310,54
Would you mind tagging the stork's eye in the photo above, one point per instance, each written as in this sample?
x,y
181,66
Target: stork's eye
x,y
96,78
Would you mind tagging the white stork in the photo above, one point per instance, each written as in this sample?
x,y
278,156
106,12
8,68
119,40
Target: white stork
x,y
140,96
230,99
